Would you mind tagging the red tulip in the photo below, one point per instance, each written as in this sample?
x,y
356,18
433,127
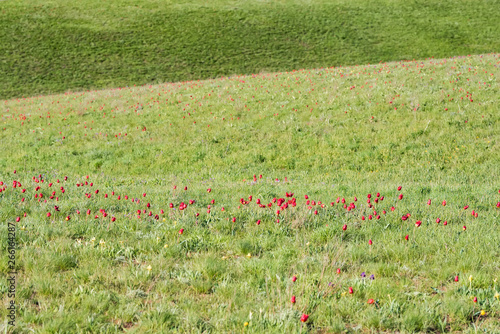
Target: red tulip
x,y
362,217
304,317
209,190
369,196
338,270
444,203
294,278
464,228
456,278
344,227
400,196
258,222
181,231
144,195
475,299
438,220
399,188
371,301
18,219
234,219
406,237
293,300
351,291
49,214
445,223
466,207
429,202
68,218
370,242
418,223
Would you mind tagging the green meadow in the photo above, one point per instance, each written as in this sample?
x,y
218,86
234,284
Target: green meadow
x,y
56,46
94,183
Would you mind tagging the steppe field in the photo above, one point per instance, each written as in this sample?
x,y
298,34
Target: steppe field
x,y
343,179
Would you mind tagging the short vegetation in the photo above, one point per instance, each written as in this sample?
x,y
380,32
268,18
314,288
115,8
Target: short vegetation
x,y
358,199
58,45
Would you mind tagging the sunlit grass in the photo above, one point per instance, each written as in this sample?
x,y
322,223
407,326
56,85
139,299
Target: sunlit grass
x,y
431,127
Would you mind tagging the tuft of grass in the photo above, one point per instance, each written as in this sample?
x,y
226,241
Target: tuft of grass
x,y
63,262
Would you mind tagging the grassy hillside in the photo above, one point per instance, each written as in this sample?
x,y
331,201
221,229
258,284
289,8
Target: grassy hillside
x,y
57,45
97,181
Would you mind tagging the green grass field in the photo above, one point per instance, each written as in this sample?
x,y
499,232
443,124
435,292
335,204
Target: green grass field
x,y
57,46
110,257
